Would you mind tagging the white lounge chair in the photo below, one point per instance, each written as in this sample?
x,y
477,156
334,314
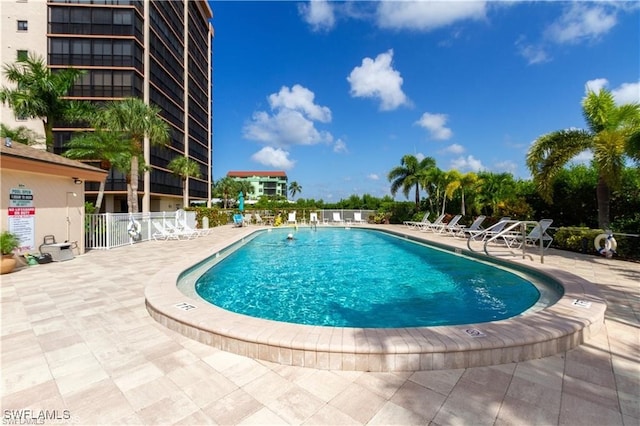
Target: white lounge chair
x,y
515,240
162,233
292,218
443,228
474,228
181,232
258,219
491,231
247,218
313,218
183,226
416,224
357,218
337,218
431,226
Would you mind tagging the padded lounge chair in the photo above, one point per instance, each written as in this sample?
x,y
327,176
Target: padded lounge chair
x,y
238,220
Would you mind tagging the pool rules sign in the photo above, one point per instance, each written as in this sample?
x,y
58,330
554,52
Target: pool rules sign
x,y
22,216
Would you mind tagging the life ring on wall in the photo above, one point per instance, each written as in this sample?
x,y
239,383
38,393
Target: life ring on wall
x,y
610,244
134,229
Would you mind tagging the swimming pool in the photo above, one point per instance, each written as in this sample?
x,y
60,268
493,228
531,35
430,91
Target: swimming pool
x,y
546,330
361,278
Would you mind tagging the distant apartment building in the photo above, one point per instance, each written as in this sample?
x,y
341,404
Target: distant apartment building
x,y
155,50
269,183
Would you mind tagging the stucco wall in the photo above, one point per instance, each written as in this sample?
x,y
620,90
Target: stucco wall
x,y
54,202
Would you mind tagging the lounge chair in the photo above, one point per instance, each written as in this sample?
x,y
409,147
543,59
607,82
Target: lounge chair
x,y
258,219
443,228
416,224
452,228
491,231
162,233
431,226
313,218
514,239
337,218
474,228
247,218
357,218
238,220
181,232
292,218
183,226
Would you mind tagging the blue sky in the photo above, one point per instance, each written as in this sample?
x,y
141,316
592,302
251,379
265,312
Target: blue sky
x,y
335,93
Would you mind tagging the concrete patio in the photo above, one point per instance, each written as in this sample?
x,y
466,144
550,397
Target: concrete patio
x,y
78,346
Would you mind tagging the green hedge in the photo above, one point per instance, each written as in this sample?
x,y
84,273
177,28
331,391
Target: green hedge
x,y
571,238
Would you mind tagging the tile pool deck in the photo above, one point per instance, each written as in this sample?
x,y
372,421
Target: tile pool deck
x,y
76,336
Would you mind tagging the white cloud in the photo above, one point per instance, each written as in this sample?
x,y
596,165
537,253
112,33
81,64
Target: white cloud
x,y
595,85
582,22
319,14
534,54
426,16
376,78
373,176
273,157
292,120
435,124
506,166
626,93
584,157
454,149
469,163
339,146
300,99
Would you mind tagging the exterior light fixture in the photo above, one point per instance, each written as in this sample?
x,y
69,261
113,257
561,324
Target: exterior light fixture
x,y
77,181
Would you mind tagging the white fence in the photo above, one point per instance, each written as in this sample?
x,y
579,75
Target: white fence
x,y
109,230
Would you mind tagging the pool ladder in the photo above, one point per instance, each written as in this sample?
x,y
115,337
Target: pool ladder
x,y
514,229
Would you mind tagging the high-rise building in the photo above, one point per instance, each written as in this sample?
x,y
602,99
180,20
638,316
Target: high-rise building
x,y
156,50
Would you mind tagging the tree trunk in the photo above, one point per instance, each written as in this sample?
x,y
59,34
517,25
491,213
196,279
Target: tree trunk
x,y
185,194
463,212
603,194
133,201
100,195
417,196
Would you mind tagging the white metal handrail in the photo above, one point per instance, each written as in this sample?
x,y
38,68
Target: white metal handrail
x,y
514,229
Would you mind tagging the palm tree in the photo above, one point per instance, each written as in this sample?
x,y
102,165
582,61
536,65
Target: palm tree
x,y
184,168
225,188
20,134
495,188
408,175
40,93
294,188
103,146
134,121
612,134
460,181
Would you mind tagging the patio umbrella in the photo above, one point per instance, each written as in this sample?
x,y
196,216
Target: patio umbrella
x,y
241,201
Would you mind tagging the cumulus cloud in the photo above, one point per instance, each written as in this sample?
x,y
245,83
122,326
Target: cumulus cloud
x,y
319,14
626,93
339,146
373,176
273,157
427,16
454,149
468,163
435,124
506,166
584,157
582,22
376,78
291,120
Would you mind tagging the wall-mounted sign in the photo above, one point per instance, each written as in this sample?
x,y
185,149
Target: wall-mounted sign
x,y
22,216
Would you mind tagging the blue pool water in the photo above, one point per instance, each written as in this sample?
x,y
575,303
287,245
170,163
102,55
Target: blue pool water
x,y
360,278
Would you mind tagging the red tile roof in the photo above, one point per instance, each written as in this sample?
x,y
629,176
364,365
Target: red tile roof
x,y
256,173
